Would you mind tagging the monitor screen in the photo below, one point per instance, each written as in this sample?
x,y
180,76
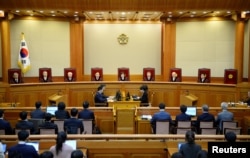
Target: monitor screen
x,y
191,111
4,148
179,145
34,144
51,109
71,143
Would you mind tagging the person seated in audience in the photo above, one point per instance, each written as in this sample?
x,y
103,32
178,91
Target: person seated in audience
x,y
190,149
175,77
202,154
205,116
86,114
48,124
203,78
15,78
72,124
61,113
144,95
225,115
38,113
230,137
183,116
162,115
24,123
45,77
77,154
61,149
70,77
123,77
98,76
46,154
22,149
177,155
99,96
247,100
4,124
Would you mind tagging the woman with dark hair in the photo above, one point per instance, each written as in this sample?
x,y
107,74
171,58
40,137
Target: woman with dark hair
x,y
61,113
144,96
190,149
61,150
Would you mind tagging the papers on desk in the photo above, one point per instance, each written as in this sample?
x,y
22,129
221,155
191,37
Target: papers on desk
x,y
146,117
110,98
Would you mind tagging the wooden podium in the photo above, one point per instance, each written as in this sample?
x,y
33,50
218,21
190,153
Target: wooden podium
x,y
188,99
56,98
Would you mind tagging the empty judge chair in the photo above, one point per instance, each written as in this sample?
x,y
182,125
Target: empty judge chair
x,y
230,76
96,74
162,127
236,130
228,124
175,75
148,74
204,75
123,74
69,74
88,126
47,131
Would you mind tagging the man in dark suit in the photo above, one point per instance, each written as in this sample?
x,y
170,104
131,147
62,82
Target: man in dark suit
x,y
22,149
205,116
183,116
72,124
15,78
162,115
48,124
86,113
61,113
24,123
5,125
99,96
38,113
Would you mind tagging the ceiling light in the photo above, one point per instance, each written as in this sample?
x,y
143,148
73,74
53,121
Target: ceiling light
x,y
52,11
76,12
17,11
204,12
169,12
65,12
228,12
41,11
180,12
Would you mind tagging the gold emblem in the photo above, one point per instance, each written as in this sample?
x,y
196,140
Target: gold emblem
x,y
230,76
123,39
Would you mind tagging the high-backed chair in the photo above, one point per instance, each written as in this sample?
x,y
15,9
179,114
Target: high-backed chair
x,y
125,121
14,76
175,75
98,104
69,74
183,126
44,71
96,74
123,74
236,130
208,131
2,131
182,130
228,124
59,124
162,127
88,126
148,74
150,101
203,75
206,124
17,130
230,76
47,131
36,123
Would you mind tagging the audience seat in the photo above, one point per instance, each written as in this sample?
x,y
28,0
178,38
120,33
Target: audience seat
x,y
162,127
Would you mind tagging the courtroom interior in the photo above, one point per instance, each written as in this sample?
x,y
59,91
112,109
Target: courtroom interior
x,y
120,62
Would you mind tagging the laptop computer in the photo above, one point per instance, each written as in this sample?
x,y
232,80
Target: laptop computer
x,y
4,148
34,144
71,143
179,145
51,110
191,111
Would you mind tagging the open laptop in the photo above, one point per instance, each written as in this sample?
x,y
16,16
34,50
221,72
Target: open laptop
x,y
179,145
51,110
34,144
4,148
71,143
191,111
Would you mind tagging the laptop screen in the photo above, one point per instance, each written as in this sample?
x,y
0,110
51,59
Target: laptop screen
x,y
51,109
4,148
179,145
191,111
71,143
34,144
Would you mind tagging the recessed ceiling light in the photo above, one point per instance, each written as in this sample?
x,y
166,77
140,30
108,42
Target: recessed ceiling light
x,y
228,12
53,15
169,12
17,11
76,12
65,12
52,11
180,12
41,11
204,12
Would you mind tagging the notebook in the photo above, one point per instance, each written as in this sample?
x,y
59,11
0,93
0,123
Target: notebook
x,y
71,143
34,144
51,109
191,111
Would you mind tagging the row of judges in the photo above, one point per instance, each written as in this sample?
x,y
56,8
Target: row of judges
x,y
45,75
